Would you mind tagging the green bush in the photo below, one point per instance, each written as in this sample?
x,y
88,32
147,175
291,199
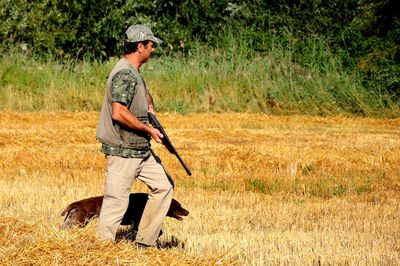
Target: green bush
x,y
361,35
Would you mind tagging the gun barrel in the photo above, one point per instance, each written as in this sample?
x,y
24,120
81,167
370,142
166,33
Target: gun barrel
x,y
183,164
154,121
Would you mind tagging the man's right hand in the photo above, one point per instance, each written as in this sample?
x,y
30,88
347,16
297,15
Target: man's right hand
x,y
122,115
156,135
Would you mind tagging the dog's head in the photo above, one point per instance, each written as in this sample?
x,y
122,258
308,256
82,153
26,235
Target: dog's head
x,y
177,211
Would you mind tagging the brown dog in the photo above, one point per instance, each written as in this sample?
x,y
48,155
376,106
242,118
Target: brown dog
x,y
81,212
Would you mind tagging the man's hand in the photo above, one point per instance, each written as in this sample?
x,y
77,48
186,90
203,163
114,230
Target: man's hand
x,y
151,108
122,115
156,135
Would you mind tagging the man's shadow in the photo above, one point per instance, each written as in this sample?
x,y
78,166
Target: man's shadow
x,y
128,233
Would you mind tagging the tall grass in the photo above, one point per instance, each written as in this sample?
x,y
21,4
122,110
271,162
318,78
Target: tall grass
x,y
293,77
29,84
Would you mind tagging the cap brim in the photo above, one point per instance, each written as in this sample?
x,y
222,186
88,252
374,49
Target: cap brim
x,y
156,40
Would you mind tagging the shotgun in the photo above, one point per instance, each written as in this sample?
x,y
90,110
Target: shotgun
x,y
154,121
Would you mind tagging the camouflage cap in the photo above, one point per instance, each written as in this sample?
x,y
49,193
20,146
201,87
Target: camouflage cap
x,y
139,33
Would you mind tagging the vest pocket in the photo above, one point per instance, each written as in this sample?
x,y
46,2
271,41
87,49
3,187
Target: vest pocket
x,y
133,139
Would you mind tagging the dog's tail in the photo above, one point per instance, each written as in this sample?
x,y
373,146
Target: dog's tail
x,y
67,209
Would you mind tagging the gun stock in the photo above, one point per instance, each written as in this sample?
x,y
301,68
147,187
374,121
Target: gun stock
x,y
154,121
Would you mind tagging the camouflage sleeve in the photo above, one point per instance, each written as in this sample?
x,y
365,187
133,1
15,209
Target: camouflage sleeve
x,y
123,87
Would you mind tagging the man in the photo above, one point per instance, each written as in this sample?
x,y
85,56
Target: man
x,y
125,134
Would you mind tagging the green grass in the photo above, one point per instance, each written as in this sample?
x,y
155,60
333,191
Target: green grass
x,y
218,80
30,85
325,187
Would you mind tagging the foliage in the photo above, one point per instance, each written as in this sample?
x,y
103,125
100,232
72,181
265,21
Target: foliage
x,y
221,81
363,34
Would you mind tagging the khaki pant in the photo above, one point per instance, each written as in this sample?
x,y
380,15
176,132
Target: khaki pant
x,y
121,172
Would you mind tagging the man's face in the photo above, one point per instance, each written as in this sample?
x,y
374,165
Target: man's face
x,y
146,51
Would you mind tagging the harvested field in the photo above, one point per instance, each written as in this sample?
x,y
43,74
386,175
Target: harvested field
x,y
265,190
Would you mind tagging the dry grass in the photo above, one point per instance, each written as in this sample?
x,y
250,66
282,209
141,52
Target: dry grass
x,y
265,190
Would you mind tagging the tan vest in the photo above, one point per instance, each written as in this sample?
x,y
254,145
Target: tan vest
x,y
113,134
